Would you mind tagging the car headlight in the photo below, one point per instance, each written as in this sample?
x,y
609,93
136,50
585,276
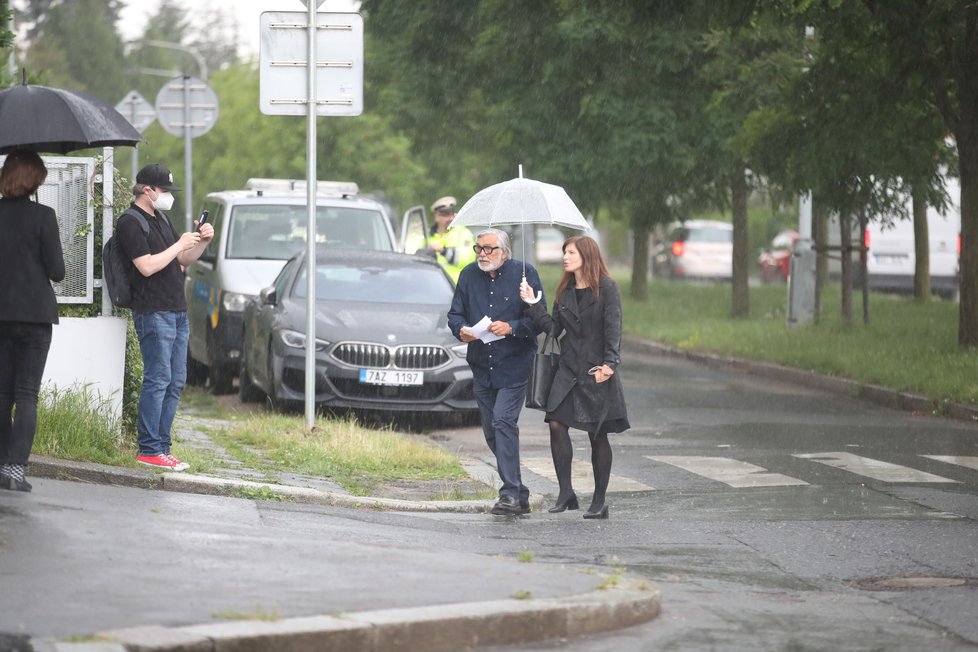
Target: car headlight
x,y
235,302
460,350
297,340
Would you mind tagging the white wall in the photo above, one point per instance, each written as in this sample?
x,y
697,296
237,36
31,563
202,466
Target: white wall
x,y
89,352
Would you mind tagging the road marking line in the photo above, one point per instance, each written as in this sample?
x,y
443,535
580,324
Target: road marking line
x,y
581,475
728,471
876,469
960,460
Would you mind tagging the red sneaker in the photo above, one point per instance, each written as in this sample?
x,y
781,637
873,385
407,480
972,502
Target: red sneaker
x,y
162,461
177,464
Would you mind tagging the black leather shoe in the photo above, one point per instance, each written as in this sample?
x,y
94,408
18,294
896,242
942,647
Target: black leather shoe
x,y
603,513
524,506
506,506
11,483
563,505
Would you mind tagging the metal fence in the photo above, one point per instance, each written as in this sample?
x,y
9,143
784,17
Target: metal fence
x,y
68,190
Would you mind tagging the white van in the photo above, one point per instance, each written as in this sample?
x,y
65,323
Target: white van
x,y
255,232
891,259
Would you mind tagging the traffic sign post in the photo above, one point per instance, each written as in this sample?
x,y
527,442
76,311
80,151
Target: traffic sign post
x,y
188,107
140,115
324,52
283,63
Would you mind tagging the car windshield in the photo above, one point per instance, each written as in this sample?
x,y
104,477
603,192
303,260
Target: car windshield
x,y
708,234
278,231
410,284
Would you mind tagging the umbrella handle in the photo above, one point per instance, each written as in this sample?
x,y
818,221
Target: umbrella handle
x,y
535,299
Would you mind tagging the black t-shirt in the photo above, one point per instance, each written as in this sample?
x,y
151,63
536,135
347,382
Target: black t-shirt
x,y
162,291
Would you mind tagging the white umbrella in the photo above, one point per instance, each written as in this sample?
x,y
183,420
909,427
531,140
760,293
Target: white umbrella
x,y
521,201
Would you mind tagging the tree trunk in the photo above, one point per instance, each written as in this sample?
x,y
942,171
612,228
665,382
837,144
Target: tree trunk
x,y
845,247
740,299
968,306
921,246
820,235
640,258
863,272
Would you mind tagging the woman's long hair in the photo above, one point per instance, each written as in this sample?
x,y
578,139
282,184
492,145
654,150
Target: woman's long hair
x,y
592,270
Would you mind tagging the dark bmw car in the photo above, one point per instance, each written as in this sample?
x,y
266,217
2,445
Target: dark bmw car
x,y
382,341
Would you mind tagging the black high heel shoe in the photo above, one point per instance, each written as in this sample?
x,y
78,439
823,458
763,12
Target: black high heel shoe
x,y
13,484
602,513
570,503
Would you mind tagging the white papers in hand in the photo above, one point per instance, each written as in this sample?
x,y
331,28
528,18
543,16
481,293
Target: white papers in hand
x,y
481,330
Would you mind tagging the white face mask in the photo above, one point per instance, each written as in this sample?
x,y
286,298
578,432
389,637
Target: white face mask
x,y
164,202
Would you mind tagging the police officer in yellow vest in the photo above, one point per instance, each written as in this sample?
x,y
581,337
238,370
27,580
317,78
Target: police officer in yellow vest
x,y
453,247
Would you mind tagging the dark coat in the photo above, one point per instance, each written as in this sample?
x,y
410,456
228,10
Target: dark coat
x,y
30,248
590,335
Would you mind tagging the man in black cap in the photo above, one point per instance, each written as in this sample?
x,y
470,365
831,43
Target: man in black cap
x,y
159,308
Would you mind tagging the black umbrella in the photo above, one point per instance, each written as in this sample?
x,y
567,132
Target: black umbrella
x,y
58,120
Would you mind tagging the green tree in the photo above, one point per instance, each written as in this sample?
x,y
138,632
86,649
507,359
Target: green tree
x,y
916,53
76,46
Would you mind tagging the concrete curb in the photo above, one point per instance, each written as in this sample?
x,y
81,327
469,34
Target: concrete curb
x,y
436,628
884,396
47,467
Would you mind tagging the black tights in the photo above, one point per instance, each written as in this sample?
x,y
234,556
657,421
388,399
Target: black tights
x,y
563,453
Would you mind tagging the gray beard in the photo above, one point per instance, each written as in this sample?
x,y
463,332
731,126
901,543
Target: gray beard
x,y
488,266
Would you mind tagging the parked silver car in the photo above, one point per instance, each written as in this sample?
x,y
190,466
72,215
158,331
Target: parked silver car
x,y
695,249
382,337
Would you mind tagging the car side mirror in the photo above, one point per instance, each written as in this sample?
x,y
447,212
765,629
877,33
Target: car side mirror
x,y
267,296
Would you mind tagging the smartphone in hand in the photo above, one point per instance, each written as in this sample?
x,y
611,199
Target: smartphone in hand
x,y
202,219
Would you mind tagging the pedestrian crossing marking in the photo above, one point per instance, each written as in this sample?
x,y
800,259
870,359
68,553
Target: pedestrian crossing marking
x,y
582,476
876,469
734,473
960,460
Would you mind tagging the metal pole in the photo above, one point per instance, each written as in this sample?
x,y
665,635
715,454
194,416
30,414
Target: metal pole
x,y
188,157
135,152
311,210
108,192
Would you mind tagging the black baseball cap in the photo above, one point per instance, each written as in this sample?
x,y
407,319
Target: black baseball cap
x,y
157,176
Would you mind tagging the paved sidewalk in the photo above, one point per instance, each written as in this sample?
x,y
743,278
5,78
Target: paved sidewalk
x,y
283,564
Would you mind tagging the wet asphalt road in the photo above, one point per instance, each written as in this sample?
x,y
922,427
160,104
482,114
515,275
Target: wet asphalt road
x,y
815,560
756,506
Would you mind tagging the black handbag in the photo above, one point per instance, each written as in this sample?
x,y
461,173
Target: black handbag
x,y
542,374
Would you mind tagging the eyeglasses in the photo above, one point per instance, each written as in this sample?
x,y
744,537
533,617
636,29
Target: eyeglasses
x,y
480,249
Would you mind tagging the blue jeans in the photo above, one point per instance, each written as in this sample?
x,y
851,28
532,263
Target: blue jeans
x,y
23,354
500,410
163,343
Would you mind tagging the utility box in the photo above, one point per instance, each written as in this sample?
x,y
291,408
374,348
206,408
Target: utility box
x,y
801,287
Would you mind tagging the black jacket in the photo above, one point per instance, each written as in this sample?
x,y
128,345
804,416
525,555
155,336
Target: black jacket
x,y
590,335
30,251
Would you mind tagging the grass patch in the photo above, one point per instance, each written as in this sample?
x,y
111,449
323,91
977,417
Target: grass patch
x,y
353,456
259,613
76,424
525,556
907,345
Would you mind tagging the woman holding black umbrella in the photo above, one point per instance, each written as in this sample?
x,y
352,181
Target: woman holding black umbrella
x,y
30,248
586,392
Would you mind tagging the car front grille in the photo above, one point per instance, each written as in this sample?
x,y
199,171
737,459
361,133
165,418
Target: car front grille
x,y
378,356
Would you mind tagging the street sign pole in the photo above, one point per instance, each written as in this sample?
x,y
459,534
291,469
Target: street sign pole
x,y
188,156
332,59
311,183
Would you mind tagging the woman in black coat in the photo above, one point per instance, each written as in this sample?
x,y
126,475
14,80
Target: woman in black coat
x,y
586,392
30,248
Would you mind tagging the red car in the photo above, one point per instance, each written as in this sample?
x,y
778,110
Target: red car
x,y
775,262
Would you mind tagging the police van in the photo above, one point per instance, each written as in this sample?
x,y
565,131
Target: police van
x,y
256,230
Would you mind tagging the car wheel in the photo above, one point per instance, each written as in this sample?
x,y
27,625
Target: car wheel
x,y
219,375
248,392
273,402
196,372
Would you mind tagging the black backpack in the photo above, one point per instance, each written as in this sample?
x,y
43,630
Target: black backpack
x,y
116,268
